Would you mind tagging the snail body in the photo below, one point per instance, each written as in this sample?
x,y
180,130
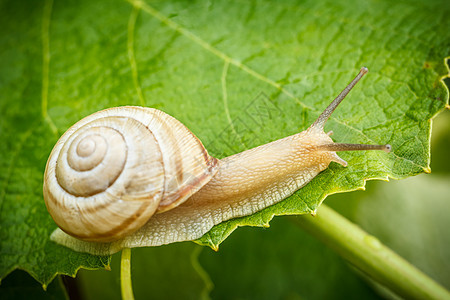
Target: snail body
x,y
163,186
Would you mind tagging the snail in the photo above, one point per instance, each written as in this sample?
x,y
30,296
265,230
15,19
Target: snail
x,y
136,176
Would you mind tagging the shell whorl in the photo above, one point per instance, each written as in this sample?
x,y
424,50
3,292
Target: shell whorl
x,y
111,171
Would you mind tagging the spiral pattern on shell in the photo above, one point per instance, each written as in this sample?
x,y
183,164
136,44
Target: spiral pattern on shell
x,y
111,171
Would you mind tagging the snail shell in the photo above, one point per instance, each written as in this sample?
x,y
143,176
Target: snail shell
x,y
110,172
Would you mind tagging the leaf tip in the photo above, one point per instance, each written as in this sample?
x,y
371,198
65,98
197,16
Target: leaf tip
x,y
427,170
44,286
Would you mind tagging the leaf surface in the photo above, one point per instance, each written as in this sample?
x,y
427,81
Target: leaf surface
x,y
237,74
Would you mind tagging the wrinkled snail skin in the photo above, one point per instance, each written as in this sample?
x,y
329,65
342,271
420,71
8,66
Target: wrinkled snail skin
x,y
268,172
194,191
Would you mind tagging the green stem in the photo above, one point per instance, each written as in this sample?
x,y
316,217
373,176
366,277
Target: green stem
x,y
370,256
125,275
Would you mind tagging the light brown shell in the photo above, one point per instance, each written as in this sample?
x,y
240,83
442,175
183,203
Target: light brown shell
x,y
111,171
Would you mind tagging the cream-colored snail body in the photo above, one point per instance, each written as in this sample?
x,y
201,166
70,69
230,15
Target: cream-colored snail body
x,y
139,177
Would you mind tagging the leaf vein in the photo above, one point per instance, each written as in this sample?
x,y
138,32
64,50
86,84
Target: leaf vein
x,y
131,53
223,80
46,64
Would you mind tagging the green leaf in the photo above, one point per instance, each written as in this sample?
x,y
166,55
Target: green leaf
x,y
237,74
